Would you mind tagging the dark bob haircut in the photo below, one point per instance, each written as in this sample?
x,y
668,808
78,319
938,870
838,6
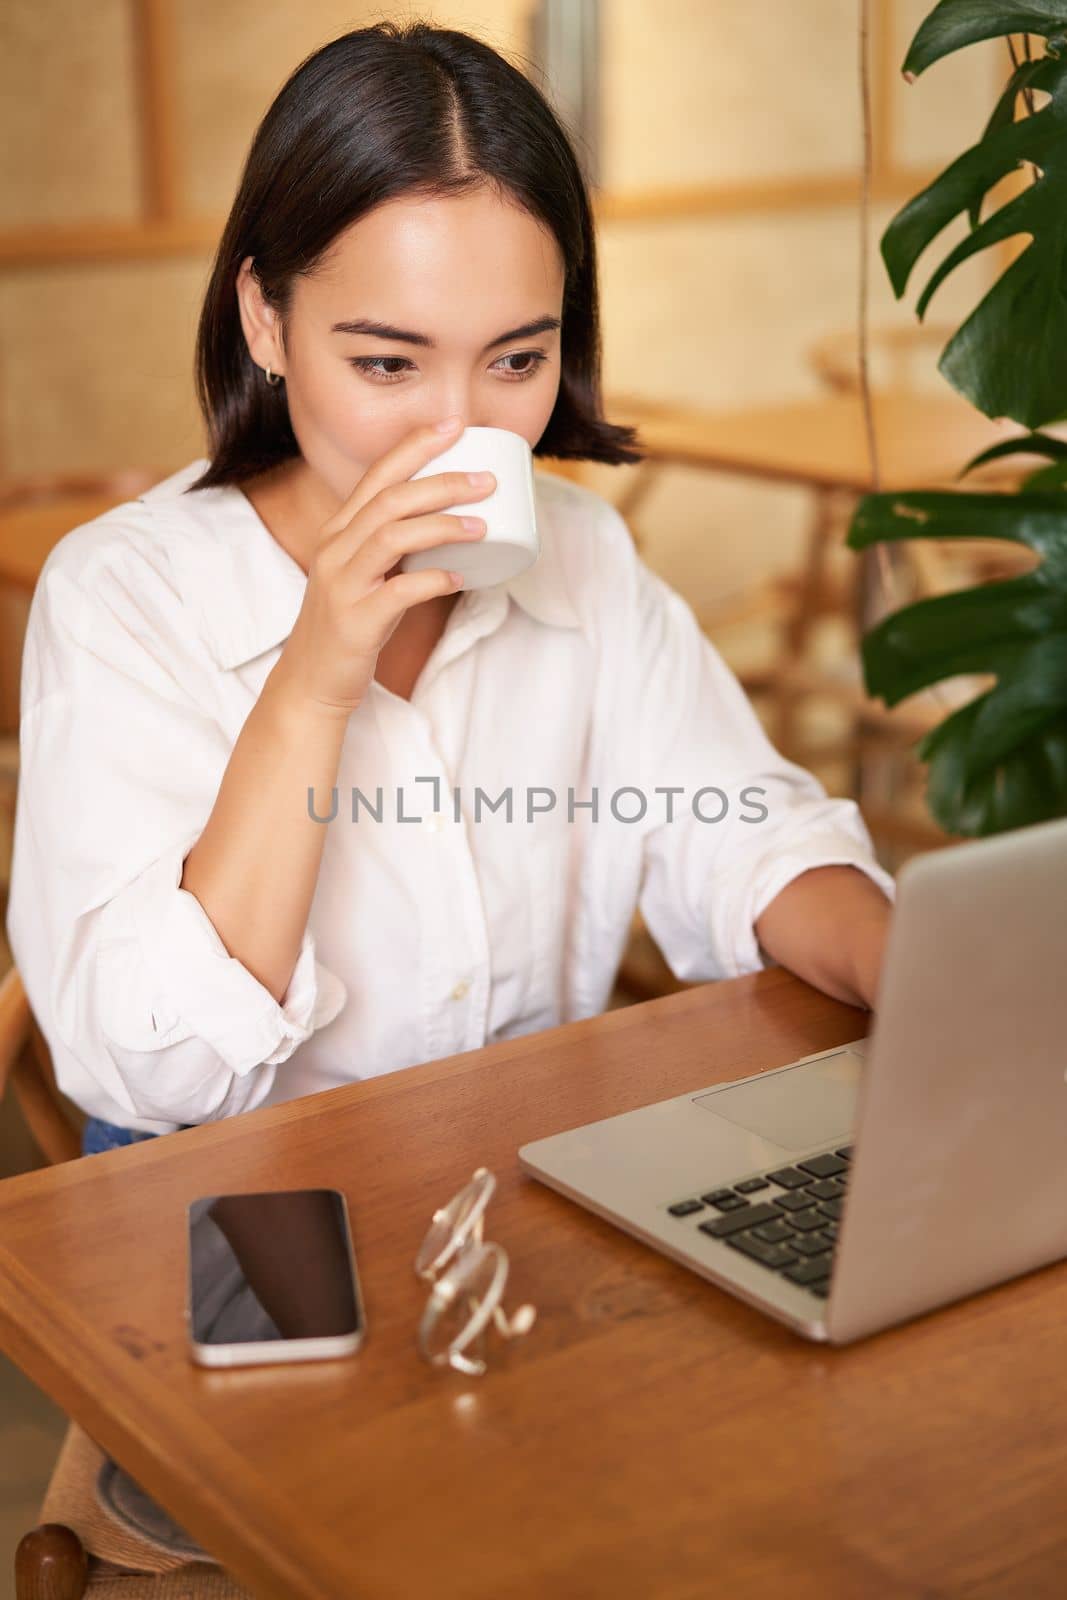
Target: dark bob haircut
x,y
390,110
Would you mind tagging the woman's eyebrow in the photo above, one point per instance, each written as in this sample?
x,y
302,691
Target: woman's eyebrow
x,y
383,330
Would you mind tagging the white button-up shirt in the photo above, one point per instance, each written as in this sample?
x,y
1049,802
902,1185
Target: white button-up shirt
x,y
574,748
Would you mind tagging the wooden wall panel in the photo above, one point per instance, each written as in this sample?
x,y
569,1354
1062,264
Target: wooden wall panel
x,y
720,311
68,144
97,365
727,93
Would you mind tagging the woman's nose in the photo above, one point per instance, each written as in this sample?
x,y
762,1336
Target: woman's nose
x,y
461,405
470,419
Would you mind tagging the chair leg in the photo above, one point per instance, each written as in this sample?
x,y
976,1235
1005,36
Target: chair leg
x,y
51,1564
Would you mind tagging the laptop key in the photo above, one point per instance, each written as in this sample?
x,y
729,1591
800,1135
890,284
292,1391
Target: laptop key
x,y
724,1200
769,1255
821,1289
810,1244
845,1154
733,1222
824,1189
792,1200
810,1271
807,1220
790,1178
823,1166
750,1185
774,1232
832,1208
685,1208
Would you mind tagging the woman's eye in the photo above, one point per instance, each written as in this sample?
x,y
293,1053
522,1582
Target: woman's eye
x,y
534,358
390,369
375,365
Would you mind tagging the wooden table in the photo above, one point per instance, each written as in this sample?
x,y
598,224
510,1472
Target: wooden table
x,y
652,1438
923,439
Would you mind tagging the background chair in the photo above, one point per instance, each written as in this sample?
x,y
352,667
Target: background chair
x,y
99,1535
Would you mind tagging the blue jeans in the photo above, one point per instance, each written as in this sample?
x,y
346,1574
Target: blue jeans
x,y
98,1136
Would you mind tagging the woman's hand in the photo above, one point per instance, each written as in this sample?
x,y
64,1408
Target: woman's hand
x,y
830,925
352,602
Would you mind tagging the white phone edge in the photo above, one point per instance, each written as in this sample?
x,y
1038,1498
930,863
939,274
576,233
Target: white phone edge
x,y
265,1353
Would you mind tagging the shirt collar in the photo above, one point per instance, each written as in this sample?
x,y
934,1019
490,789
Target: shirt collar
x,y
248,590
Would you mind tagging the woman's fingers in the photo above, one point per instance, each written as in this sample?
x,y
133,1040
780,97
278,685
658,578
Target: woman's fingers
x,y
385,605
393,470
356,594
392,541
399,503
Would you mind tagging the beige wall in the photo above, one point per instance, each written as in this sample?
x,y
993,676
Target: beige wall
x,y
717,303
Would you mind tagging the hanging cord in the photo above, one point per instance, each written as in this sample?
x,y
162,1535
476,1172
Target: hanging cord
x,y
880,550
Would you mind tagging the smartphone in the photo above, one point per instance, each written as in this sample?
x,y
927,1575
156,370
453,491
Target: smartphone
x,y
272,1277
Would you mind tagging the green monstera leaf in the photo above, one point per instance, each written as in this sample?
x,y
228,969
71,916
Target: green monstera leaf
x,y
1001,761
1054,476
1007,358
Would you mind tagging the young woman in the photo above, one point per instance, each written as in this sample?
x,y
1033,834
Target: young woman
x,y
290,817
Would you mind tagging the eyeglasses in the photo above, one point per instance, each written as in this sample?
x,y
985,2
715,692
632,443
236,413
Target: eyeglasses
x,y
467,1296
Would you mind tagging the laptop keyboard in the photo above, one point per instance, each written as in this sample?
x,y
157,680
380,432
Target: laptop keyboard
x,y
791,1229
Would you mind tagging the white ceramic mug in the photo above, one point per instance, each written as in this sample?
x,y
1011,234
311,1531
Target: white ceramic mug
x,y
511,542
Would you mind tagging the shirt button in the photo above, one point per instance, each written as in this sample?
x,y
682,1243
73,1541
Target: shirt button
x,y
462,988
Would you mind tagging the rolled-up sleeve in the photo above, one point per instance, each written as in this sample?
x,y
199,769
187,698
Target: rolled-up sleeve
x,y
157,941
745,822
149,1019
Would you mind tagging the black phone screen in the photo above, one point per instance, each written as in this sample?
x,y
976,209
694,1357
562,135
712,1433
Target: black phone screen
x,y
272,1265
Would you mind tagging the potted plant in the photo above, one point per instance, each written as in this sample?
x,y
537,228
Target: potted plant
x,y
999,761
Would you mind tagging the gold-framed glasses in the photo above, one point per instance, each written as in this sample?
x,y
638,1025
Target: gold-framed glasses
x,y
468,1274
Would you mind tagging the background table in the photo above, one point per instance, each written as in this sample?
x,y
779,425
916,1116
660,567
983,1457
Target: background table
x,y
652,1437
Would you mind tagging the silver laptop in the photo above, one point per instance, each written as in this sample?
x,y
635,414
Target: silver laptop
x,y
859,1187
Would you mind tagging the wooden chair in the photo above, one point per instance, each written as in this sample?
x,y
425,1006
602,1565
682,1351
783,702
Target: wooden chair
x,y
82,1546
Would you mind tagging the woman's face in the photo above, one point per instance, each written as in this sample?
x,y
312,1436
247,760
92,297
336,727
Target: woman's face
x,y
460,273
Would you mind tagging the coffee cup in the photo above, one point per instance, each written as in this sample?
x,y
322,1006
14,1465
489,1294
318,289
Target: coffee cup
x,y
510,543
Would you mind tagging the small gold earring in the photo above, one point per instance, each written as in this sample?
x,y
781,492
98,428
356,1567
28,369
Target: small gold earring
x,y
273,378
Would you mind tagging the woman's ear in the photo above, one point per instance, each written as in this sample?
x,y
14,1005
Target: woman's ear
x,y
262,329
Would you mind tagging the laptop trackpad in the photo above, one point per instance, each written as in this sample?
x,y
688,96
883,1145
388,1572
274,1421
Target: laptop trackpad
x,y
798,1107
